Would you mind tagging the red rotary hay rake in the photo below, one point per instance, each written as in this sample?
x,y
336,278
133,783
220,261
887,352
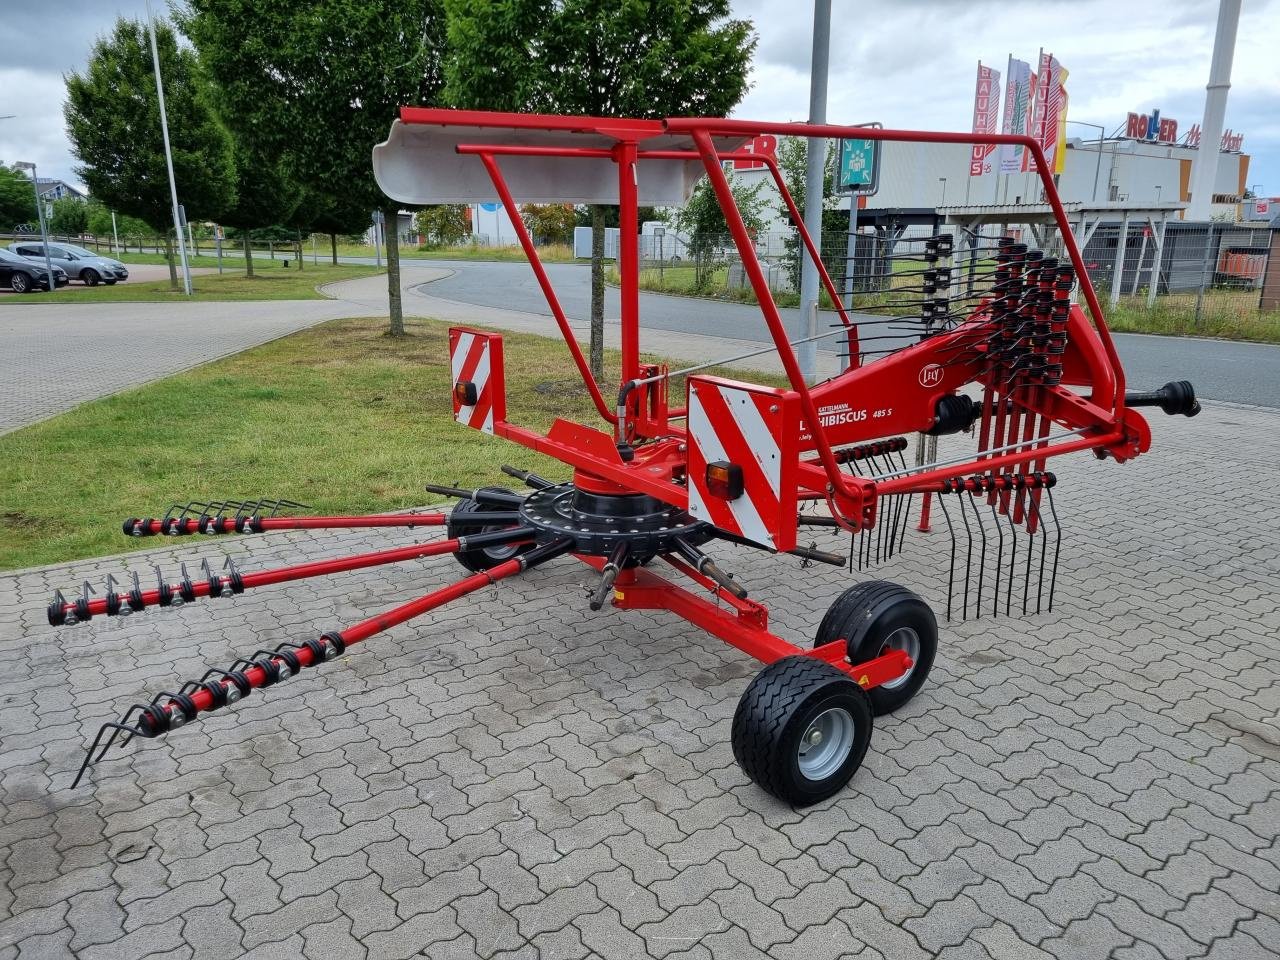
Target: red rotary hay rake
x,y
736,462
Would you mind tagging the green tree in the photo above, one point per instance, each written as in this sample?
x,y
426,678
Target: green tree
x,y
17,199
793,162
99,223
264,195
70,217
630,58
320,82
444,224
113,118
549,222
332,214
702,223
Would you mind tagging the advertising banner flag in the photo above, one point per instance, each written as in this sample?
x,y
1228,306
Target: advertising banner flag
x,y
1017,96
986,115
1042,115
1060,149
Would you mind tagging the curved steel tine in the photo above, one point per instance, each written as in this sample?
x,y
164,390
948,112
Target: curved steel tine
x,y
982,557
246,508
1057,546
968,559
122,724
995,590
1034,512
88,754
951,568
1013,564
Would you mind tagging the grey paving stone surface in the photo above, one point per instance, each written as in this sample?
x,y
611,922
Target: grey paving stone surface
x,y
515,776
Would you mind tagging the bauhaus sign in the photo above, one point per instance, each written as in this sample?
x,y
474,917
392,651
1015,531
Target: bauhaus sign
x,y
1152,126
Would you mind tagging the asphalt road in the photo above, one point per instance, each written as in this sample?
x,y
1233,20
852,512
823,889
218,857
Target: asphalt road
x,y
1220,369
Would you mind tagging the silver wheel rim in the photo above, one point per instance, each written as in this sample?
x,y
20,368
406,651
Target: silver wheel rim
x,y
826,744
908,641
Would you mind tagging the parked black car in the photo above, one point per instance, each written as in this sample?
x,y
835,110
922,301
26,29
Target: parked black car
x,y
23,276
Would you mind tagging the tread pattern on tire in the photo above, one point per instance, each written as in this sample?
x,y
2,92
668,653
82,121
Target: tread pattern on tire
x,y
474,560
855,612
767,706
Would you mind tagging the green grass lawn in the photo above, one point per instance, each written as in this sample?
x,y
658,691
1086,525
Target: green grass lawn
x,y
340,417
267,283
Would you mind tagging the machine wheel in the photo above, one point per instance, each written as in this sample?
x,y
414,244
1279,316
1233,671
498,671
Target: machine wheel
x,y
89,277
20,283
801,729
878,616
482,558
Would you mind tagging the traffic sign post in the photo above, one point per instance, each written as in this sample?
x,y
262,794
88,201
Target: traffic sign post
x,y
857,174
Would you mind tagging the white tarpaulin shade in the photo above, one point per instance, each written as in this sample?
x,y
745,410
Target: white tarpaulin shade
x,y
417,164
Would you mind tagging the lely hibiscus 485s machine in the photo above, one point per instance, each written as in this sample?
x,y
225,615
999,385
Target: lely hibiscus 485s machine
x,y
1000,350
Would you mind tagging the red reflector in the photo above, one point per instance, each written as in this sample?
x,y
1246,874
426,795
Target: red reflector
x,y
464,391
724,480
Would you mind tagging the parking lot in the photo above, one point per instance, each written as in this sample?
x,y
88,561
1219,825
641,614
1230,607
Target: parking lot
x,y
517,777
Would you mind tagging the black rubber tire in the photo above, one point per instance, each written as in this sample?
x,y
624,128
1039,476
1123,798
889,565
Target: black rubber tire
x,y
89,277
483,558
774,713
865,616
21,283
109,283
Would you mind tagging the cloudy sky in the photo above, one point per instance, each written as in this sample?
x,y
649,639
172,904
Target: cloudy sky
x,y
905,63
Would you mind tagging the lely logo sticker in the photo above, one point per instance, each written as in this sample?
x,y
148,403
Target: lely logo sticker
x,y
931,375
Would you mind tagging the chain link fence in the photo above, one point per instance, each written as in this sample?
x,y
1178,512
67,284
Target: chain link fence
x,y
1171,277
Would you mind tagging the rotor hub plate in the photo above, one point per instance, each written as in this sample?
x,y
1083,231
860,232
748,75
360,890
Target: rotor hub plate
x,y
597,522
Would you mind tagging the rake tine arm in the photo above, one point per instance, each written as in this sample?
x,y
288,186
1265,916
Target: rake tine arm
x,y
243,523
528,477
236,582
708,567
487,495
265,668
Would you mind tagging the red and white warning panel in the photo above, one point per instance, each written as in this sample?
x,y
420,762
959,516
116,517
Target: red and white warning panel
x,y
742,459
479,385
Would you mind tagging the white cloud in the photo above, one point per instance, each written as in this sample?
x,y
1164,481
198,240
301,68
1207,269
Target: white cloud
x,y
907,63
911,63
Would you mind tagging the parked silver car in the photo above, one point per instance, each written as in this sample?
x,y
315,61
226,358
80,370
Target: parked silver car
x,y
80,264
22,276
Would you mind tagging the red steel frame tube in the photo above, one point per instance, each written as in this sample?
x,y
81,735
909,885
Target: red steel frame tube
x,y
705,128
760,285
931,480
743,626
526,242
781,184
629,257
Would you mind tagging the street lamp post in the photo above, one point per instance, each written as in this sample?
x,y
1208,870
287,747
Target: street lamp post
x,y
168,155
44,231
1097,167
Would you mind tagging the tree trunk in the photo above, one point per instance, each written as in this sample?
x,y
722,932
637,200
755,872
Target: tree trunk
x,y
392,239
597,291
299,249
333,247
173,268
248,255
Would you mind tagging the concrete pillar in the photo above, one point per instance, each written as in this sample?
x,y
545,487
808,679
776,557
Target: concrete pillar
x,y
1117,270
